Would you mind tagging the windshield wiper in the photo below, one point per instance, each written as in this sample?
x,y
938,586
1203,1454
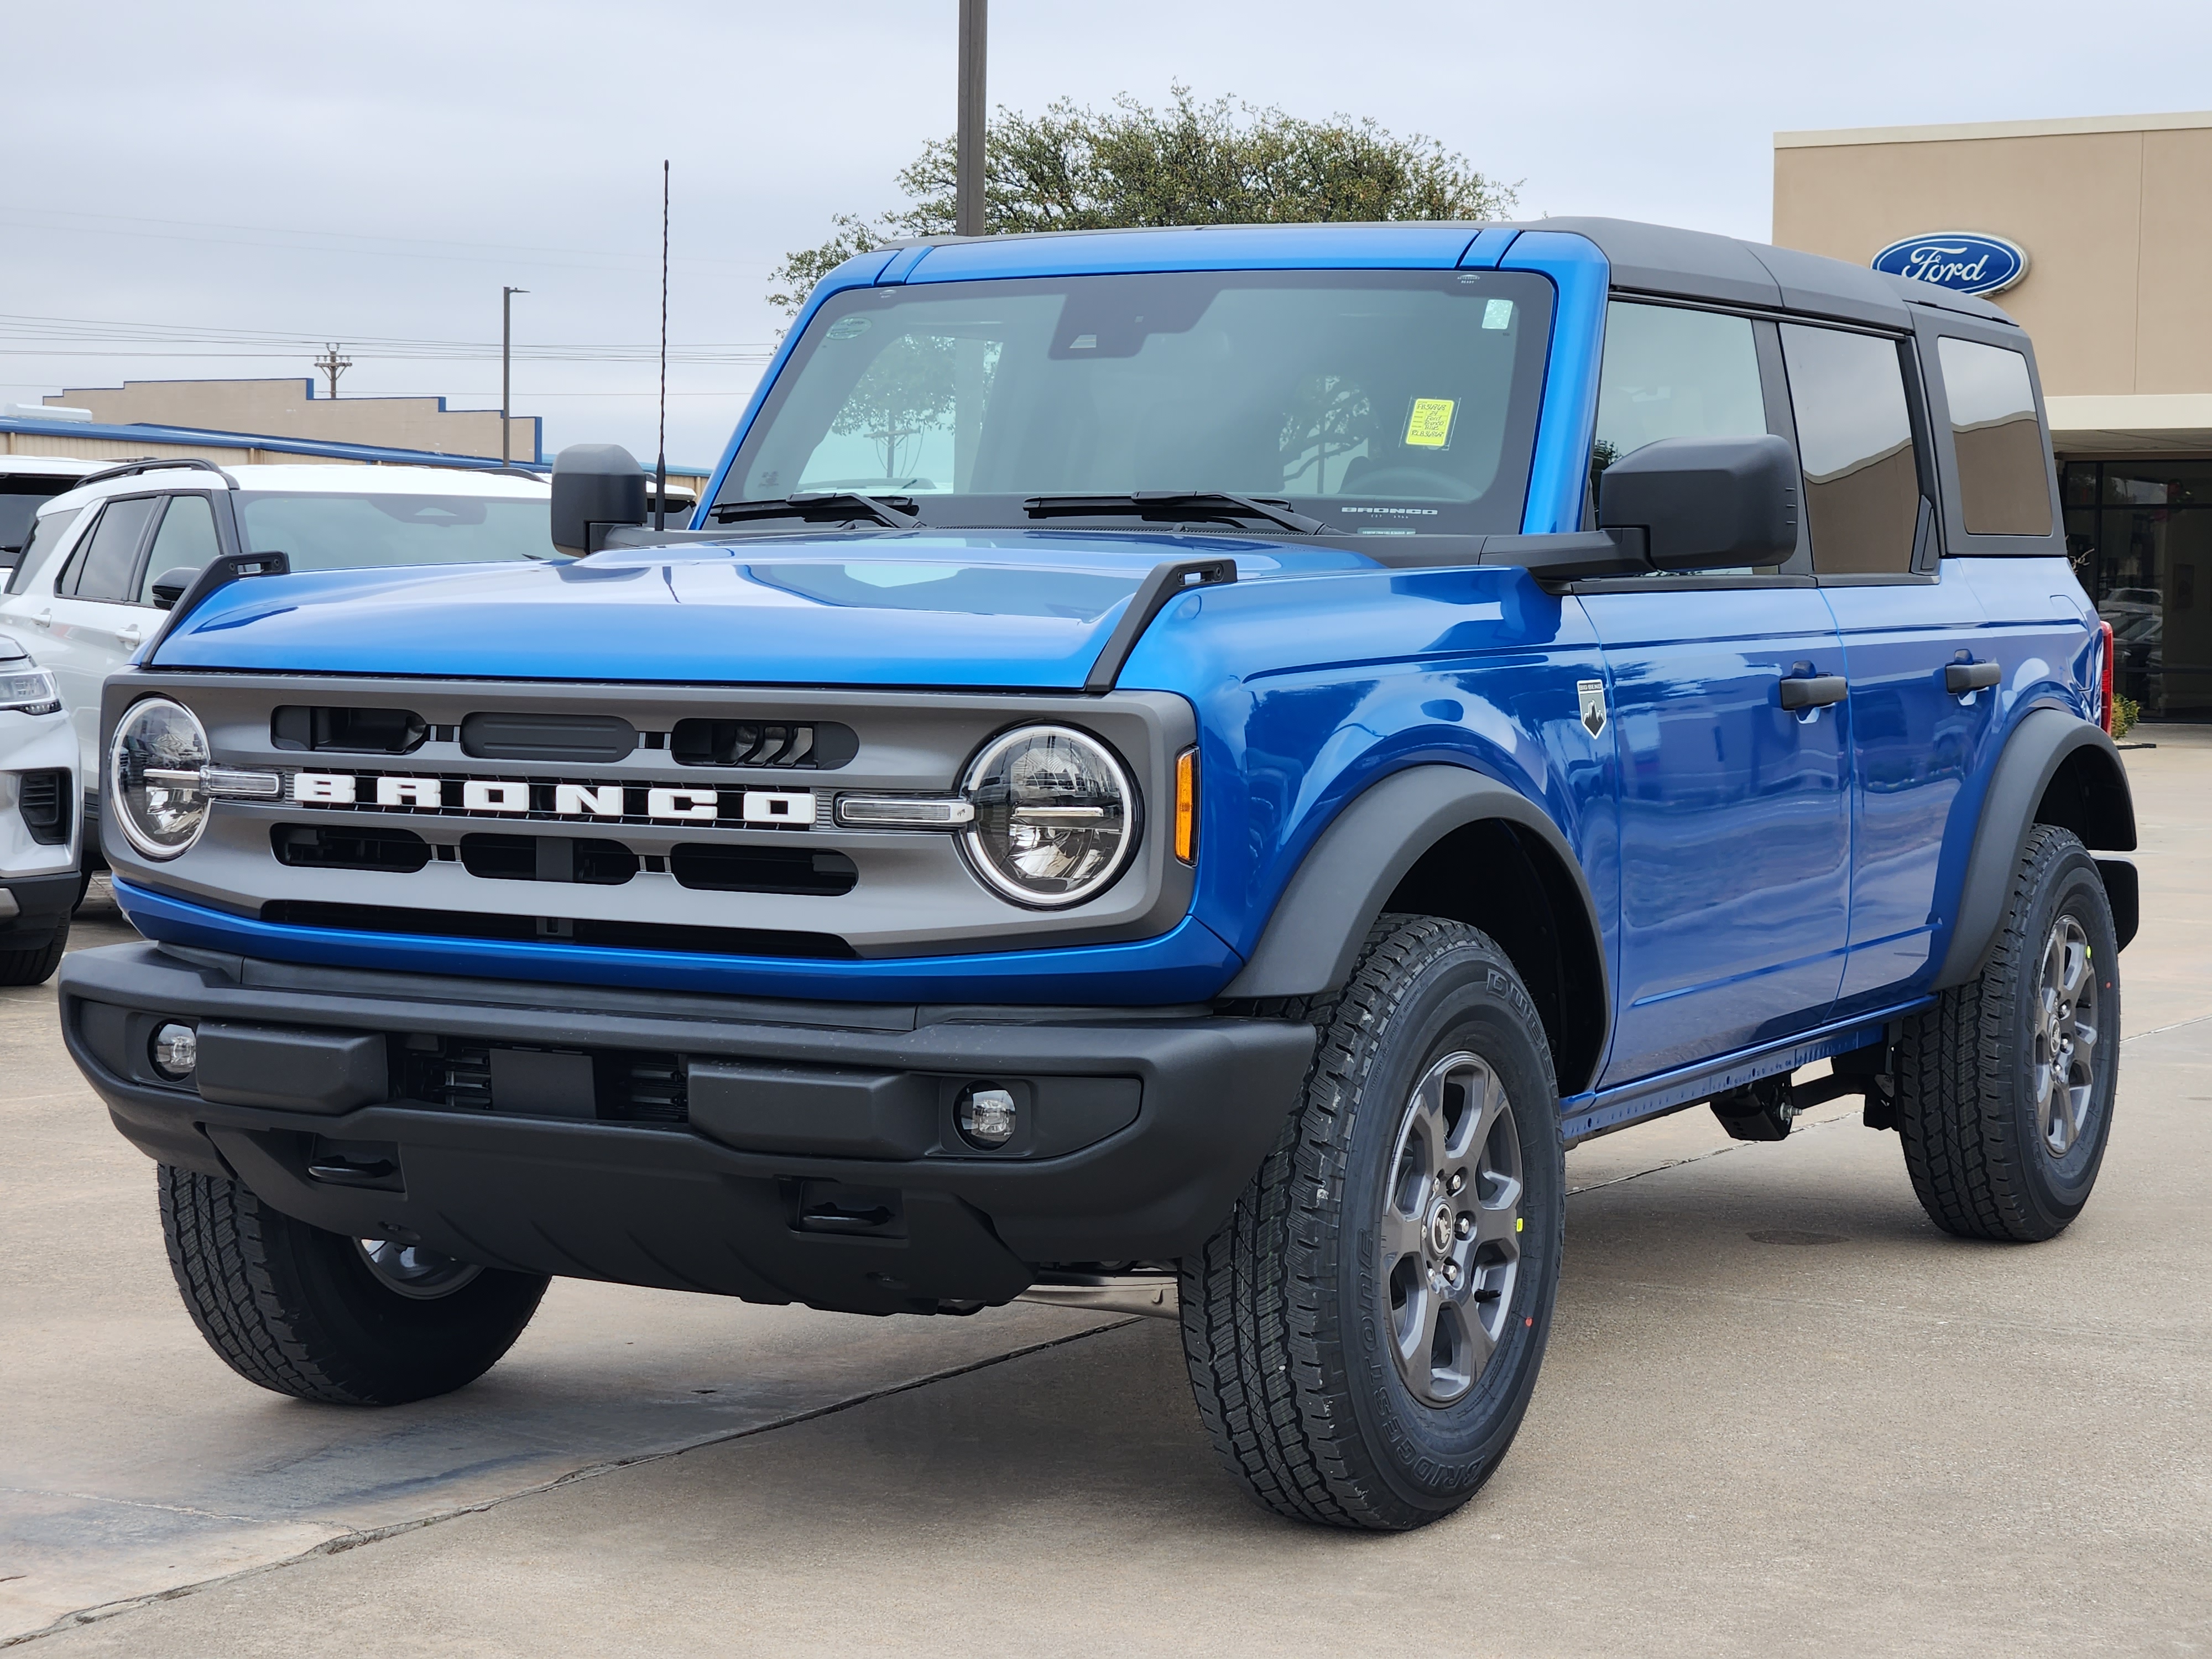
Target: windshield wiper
x,y
1141,500
895,512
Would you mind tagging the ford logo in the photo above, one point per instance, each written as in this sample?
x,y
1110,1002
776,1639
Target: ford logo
x,y
1962,260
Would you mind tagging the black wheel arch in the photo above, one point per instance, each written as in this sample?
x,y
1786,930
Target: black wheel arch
x,y
2056,769
1445,840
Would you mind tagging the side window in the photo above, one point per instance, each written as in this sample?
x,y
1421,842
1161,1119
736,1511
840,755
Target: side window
x,y
186,540
1862,494
107,564
2004,486
49,529
1669,373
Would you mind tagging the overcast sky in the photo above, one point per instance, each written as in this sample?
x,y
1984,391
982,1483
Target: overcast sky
x,y
374,172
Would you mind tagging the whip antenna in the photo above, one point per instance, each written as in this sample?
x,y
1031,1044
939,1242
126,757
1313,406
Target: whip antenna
x,y
660,469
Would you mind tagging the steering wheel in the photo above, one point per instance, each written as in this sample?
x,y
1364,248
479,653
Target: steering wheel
x,y
1409,481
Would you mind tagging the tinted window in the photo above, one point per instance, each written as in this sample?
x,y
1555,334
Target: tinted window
x,y
20,497
44,534
1855,441
1398,400
2004,488
186,540
1673,373
348,532
108,566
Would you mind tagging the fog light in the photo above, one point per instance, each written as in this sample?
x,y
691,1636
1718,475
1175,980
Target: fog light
x,y
176,1051
986,1117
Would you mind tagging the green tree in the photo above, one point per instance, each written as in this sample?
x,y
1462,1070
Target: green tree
x,y
1223,162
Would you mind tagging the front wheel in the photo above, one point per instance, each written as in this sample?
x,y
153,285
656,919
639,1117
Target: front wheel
x,y
1364,1333
320,1316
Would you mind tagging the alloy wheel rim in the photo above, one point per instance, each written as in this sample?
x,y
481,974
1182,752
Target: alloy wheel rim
x,y
2065,1038
413,1272
1449,1236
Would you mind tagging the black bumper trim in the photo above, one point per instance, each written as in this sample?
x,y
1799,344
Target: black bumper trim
x,y
43,903
661,1204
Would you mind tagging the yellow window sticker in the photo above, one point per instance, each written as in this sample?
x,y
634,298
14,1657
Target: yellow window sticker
x,y
1429,425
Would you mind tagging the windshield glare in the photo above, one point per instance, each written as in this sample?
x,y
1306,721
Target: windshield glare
x,y
1392,401
351,532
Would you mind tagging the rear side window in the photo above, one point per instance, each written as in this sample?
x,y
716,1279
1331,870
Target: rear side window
x,y
1673,373
107,566
2004,488
1862,494
49,530
185,541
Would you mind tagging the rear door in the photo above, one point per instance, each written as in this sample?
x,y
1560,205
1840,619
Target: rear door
x,y
1735,811
1905,624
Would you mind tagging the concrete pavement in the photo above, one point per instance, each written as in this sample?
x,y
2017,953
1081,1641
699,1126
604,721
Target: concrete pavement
x,y
1781,1414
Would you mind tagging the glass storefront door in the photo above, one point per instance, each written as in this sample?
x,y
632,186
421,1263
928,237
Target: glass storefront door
x,y
2140,535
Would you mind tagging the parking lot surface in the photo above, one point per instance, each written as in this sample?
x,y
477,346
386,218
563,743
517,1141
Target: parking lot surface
x,y
1781,1414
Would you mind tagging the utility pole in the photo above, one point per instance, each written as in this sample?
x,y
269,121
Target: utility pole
x,y
333,365
968,147
506,361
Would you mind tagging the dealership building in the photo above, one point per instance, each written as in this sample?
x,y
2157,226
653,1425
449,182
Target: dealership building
x,y
2096,235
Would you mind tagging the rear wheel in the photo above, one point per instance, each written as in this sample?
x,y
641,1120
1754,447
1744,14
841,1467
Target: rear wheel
x,y
2004,1088
1364,1333
321,1316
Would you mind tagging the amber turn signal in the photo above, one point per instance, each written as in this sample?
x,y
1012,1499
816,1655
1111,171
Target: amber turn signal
x,y
1186,806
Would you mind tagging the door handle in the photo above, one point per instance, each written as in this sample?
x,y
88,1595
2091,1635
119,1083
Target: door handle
x,y
1813,691
128,636
44,619
1961,677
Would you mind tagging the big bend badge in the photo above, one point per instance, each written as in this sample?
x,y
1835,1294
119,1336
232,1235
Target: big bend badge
x,y
1592,695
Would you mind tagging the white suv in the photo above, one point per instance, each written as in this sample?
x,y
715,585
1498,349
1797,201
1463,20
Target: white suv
x,y
82,598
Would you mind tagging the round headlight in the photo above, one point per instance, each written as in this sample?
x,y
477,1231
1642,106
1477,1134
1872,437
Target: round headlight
x,y
1055,817
153,768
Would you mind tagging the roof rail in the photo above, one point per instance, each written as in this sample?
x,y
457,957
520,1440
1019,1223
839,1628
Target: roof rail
x,y
149,464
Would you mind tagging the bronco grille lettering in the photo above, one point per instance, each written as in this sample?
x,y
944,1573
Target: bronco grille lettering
x,y
547,799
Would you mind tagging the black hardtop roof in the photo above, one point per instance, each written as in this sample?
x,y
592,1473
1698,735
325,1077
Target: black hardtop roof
x,y
1696,265
1689,264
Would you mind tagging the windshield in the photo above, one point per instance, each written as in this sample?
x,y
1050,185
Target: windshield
x,y
1380,402
350,532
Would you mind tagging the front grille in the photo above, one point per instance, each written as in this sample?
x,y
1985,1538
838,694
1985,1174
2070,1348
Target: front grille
x,y
349,846
749,869
42,798
548,857
559,930
547,737
817,745
347,730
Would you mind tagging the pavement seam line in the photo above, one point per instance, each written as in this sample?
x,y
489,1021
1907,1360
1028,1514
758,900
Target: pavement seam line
x,y
354,1538
138,1503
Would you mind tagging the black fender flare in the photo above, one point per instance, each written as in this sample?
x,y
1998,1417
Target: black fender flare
x,y
1313,934
2098,808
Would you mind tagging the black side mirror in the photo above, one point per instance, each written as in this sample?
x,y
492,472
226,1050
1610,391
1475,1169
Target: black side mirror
x,y
1705,504
596,487
169,586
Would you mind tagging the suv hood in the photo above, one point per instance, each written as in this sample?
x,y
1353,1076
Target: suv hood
x,y
997,610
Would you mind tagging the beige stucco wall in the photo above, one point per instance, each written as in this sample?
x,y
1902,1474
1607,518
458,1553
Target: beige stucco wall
x,y
288,409
2116,217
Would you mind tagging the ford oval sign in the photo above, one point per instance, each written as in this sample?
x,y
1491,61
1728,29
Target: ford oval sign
x,y
1962,260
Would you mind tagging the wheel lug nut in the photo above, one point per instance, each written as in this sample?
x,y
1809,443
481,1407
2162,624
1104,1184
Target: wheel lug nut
x,y
1465,1227
1451,1272
1458,1180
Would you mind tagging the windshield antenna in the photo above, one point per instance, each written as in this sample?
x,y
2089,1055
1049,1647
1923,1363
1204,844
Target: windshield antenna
x,y
660,468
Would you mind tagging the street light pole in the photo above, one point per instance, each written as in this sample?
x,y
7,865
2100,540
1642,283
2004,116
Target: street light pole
x,y
968,147
506,361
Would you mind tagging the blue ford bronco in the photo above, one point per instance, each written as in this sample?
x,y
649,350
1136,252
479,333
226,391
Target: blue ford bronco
x,y
1175,769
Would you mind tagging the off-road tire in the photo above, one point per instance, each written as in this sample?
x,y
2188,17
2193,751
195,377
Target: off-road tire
x,y
1965,1069
298,1311
1283,1320
36,966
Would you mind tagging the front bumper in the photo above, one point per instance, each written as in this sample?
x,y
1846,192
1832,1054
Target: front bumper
x,y
33,909
809,1154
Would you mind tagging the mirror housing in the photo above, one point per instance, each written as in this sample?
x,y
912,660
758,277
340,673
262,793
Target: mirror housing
x,y
169,586
1705,504
596,488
